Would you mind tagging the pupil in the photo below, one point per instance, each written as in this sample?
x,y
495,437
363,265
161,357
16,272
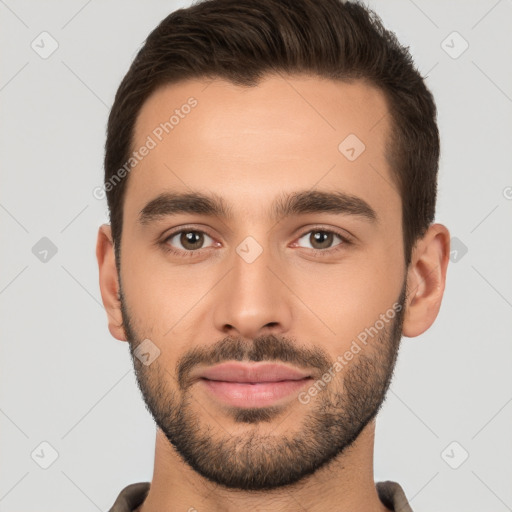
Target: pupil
x,y
323,238
191,238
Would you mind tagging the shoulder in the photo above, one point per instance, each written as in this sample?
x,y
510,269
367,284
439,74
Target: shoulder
x,y
131,497
393,496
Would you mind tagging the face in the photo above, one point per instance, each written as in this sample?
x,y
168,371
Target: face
x,y
286,248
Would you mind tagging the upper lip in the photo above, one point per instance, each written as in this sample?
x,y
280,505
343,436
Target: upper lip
x,y
241,372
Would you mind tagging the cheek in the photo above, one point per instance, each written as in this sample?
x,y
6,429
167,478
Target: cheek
x,y
349,297
143,286
161,294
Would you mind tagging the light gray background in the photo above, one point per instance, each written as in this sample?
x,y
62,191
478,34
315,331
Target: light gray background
x,y
65,381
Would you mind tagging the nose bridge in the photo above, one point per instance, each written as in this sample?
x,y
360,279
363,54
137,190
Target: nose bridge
x,y
252,297
250,268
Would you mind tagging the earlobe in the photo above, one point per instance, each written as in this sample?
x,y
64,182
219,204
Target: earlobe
x,y
426,279
109,283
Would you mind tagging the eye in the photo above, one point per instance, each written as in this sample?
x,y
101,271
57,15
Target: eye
x,y
322,239
191,240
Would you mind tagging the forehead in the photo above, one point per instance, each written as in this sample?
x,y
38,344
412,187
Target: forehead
x,y
248,143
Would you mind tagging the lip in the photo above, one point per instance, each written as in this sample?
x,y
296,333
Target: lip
x,y
252,385
252,373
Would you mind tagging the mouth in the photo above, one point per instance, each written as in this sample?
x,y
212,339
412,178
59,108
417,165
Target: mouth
x,y
253,394
252,372
253,385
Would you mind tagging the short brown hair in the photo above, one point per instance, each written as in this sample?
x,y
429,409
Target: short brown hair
x,y
242,40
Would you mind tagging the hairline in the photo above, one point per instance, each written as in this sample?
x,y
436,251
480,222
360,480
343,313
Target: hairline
x,y
393,151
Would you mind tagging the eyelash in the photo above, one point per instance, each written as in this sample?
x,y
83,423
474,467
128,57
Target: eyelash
x,y
316,252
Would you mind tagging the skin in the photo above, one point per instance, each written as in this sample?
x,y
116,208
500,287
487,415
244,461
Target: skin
x,y
247,145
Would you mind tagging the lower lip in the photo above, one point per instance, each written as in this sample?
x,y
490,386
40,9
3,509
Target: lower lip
x,y
261,394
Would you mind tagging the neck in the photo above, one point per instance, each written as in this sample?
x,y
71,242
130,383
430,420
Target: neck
x,y
345,484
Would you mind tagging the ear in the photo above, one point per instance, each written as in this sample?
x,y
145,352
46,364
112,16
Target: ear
x,y
426,278
109,283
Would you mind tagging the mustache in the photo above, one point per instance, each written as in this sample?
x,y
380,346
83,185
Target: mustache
x,y
264,348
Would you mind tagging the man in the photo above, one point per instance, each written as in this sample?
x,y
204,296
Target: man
x,y
270,171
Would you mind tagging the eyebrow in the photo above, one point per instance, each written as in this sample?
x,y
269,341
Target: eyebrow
x,y
296,203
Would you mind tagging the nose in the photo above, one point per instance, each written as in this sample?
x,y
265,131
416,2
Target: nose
x,y
253,299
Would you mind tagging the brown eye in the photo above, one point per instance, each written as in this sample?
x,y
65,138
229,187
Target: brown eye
x,y
190,240
321,239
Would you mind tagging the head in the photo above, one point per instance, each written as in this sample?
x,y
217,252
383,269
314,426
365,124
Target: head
x,y
270,172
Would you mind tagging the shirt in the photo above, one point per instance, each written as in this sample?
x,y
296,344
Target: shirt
x,y
390,493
